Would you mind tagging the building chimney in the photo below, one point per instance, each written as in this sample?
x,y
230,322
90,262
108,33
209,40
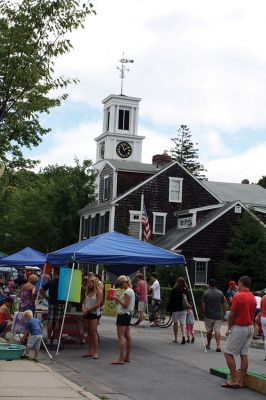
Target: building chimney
x,y
161,160
245,182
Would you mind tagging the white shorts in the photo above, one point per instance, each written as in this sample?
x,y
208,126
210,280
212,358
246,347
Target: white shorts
x,y
179,316
141,306
239,339
34,342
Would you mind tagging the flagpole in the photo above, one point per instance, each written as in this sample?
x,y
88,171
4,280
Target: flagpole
x,y
141,213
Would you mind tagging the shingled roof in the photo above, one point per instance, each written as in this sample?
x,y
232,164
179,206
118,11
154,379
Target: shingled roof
x,y
247,194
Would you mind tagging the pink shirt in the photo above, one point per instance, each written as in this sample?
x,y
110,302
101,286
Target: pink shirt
x,y
263,306
142,290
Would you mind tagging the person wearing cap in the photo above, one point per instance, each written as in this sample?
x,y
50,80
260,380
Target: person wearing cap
x,y
213,309
231,292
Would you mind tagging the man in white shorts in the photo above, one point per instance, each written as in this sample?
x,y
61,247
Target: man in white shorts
x,y
240,332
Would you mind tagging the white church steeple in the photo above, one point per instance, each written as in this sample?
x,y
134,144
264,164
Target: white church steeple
x,y
119,139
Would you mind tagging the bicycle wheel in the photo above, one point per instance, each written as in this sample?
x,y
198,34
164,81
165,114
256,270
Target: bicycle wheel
x,y
134,317
164,321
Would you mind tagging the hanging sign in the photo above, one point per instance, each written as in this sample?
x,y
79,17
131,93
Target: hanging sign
x,y
64,281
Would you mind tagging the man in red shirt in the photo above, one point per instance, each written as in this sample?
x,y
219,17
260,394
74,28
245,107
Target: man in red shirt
x,y
240,332
142,291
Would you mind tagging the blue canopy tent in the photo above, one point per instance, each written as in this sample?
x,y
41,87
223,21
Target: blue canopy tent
x,y
114,248
26,256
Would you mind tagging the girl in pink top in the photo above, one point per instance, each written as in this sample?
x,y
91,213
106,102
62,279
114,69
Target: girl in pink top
x,y
263,319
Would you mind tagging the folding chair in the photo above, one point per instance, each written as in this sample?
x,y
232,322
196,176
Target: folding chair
x,y
71,329
18,325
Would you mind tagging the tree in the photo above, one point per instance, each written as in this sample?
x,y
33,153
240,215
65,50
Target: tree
x,y
32,34
246,252
186,153
41,210
262,182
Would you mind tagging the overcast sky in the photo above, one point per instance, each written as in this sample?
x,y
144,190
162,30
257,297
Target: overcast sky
x,y
199,63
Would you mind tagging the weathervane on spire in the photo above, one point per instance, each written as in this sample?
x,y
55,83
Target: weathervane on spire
x,y
123,69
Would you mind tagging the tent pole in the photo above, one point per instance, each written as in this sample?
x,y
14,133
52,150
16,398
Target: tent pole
x,y
47,351
195,308
64,316
147,305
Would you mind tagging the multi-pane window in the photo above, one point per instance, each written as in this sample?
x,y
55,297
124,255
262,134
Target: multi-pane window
x,y
159,221
123,120
175,190
201,270
106,188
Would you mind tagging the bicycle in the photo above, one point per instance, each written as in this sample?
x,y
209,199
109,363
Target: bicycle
x,y
157,316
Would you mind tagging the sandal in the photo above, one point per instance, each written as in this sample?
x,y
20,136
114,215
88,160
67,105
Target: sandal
x,y
117,362
228,386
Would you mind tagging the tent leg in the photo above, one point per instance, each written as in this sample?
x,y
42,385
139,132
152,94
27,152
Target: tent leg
x,y
195,308
64,316
47,351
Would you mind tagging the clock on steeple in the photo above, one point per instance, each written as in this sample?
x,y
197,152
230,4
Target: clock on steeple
x,y
119,139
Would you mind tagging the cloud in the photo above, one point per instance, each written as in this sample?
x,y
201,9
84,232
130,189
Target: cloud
x,y
247,165
70,143
201,64
197,63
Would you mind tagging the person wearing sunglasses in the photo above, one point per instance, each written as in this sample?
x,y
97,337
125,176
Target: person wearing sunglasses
x,y
125,306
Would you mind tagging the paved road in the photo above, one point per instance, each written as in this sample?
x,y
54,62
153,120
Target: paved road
x,y
159,368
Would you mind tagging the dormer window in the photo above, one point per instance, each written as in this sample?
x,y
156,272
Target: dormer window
x,y
186,221
123,120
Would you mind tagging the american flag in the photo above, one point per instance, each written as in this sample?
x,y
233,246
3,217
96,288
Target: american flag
x,y
146,225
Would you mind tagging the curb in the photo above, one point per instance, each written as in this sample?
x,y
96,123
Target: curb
x,y
72,385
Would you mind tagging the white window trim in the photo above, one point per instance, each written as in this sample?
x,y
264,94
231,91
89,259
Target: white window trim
x,y
206,260
104,184
238,209
194,219
133,213
123,108
159,214
174,179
